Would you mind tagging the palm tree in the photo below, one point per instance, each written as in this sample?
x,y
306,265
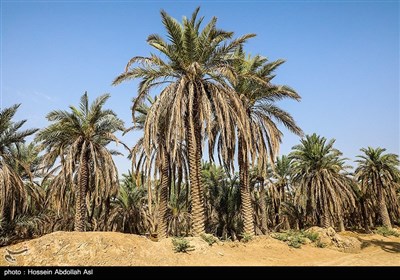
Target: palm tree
x,y
323,189
130,212
14,193
194,69
365,205
258,180
26,160
258,96
282,176
162,161
178,217
78,139
223,202
379,176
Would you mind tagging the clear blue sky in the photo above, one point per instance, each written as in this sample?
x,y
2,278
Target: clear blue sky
x,y
342,58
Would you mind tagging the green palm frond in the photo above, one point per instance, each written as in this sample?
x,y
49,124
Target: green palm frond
x,y
15,195
323,190
84,131
377,172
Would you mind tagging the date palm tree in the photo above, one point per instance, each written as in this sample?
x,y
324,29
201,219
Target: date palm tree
x,y
26,160
78,139
323,190
159,157
223,202
14,194
379,176
258,95
365,205
130,212
193,69
282,176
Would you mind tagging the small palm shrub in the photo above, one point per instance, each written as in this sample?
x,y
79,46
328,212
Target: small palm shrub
x,y
209,238
297,238
181,245
246,237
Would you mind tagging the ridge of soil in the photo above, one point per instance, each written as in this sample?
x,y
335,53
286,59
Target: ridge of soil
x,y
118,249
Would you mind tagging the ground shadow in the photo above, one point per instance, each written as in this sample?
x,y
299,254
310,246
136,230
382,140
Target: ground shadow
x,y
388,246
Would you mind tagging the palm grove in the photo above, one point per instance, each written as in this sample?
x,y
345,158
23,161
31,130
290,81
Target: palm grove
x,y
201,93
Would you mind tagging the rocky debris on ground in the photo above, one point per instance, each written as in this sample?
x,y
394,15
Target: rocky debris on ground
x,y
331,239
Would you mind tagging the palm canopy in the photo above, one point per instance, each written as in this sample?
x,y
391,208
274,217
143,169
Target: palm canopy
x,y
374,165
78,138
322,186
282,171
10,133
281,178
279,188
13,193
258,94
379,177
86,126
26,160
194,68
141,161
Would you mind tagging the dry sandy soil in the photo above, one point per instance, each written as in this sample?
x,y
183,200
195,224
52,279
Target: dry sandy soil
x,y
117,249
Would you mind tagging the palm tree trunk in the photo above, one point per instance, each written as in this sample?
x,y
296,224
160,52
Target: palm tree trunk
x,y
193,127
106,213
325,219
80,203
246,210
371,221
5,219
163,207
3,195
3,204
149,197
179,183
91,212
341,224
340,217
383,212
6,216
364,216
263,206
285,218
286,223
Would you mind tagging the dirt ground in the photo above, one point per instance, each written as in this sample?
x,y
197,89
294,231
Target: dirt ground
x,y
117,249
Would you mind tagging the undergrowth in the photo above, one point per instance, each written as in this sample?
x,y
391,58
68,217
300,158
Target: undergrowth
x,y
181,245
297,238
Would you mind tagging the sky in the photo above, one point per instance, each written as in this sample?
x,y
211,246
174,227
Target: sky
x,y
342,57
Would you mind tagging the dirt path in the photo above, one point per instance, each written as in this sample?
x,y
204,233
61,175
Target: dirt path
x,y
110,248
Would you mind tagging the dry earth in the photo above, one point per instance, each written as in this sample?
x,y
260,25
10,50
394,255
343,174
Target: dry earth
x,y
117,249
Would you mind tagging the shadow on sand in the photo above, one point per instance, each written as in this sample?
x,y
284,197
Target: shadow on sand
x,y
388,246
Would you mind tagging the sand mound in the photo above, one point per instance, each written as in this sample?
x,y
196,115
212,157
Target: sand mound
x,y
118,249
